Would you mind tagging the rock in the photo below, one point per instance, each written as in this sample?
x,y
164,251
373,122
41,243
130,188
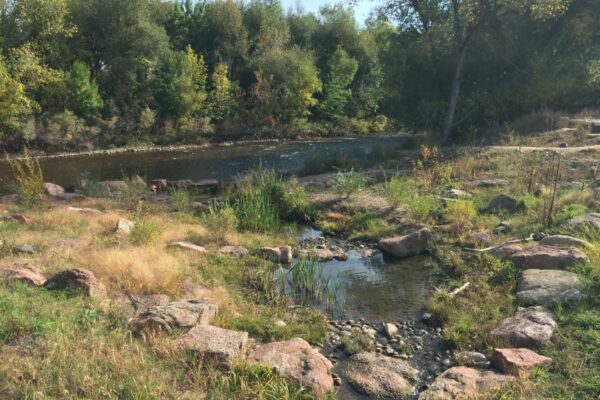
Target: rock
x,y
505,252
188,246
52,189
547,287
84,210
503,228
406,246
546,257
280,324
17,218
190,290
24,273
565,241
381,376
572,186
489,183
314,253
458,194
338,253
531,327
124,227
237,251
113,188
218,345
179,314
295,359
518,362
465,383
137,304
503,203
390,329
25,249
281,254
426,317
79,278
472,359
69,196
585,224
478,238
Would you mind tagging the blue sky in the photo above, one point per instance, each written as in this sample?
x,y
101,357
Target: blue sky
x,y
361,9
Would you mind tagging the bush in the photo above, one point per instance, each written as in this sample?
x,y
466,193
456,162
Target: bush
x,y
145,231
348,183
135,192
28,179
461,213
220,222
404,191
357,342
179,200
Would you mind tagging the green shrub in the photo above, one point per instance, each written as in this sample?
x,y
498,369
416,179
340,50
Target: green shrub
x,y
404,191
350,182
461,213
28,179
179,200
220,222
145,231
134,193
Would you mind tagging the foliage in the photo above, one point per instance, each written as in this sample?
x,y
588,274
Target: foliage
x,y
14,104
341,70
461,213
356,342
83,96
28,179
349,183
220,222
145,231
405,191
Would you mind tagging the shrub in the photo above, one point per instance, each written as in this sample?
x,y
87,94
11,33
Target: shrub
x,y
404,191
179,200
357,342
220,222
28,179
145,231
350,182
135,192
461,213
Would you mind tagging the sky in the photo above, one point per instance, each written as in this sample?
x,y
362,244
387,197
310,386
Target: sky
x,y
361,9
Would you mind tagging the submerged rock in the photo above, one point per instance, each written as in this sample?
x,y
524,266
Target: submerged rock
x,y
546,257
217,345
518,362
531,327
295,359
546,287
465,383
79,278
24,273
377,375
407,246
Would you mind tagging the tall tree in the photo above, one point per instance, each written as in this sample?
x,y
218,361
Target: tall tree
x,y
83,97
341,70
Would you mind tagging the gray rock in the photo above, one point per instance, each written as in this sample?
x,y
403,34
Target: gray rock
x,y
180,314
505,252
530,327
188,246
52,189
407,246
79,278
377,375
503,228
585,224
489,183
458,194
237,251
217,345
282,255
503,203
465,383
472,359
547,287
565,241
25,249
124,227
546,257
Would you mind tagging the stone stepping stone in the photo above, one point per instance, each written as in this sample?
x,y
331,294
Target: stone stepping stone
x,y
24,273
530,327
518,362
548,287
465,383
188,246
218,345
546,257
179,314
380,376
296,360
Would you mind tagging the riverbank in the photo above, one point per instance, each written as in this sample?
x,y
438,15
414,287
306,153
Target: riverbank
x,y
473,225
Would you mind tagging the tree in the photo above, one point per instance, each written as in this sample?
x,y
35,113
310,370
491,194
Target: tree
x,y
179,84
341,70
221,95
14,104
83,97
462,21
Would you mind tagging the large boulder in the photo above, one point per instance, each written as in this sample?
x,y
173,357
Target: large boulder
x,y
530,327
406,246
544,287
546,257
52,189
24,273
518,362
295,359
565,241
78,278
503,203
179,314
282,255
217,345
588,223
377,375
505,252
465,383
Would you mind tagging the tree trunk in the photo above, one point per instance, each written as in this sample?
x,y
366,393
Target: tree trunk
x,y
454,93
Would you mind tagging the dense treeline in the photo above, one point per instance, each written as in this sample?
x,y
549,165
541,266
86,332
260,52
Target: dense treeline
x,y
76,73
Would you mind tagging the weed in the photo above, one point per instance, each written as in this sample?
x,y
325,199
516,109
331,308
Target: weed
x,y
356,342
28,179
145,231
405,191
461,213
349,183
179,200
221,221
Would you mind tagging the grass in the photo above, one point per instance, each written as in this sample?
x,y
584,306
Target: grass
x,y
403,191
349,182
28,180
356,342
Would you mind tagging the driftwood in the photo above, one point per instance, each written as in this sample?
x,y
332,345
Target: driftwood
x,y
460,289
529,239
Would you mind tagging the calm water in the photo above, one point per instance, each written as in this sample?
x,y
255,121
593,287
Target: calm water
x,y
220,162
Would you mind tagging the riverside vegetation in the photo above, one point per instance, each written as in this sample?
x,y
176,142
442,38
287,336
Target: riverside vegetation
x,y
65,344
